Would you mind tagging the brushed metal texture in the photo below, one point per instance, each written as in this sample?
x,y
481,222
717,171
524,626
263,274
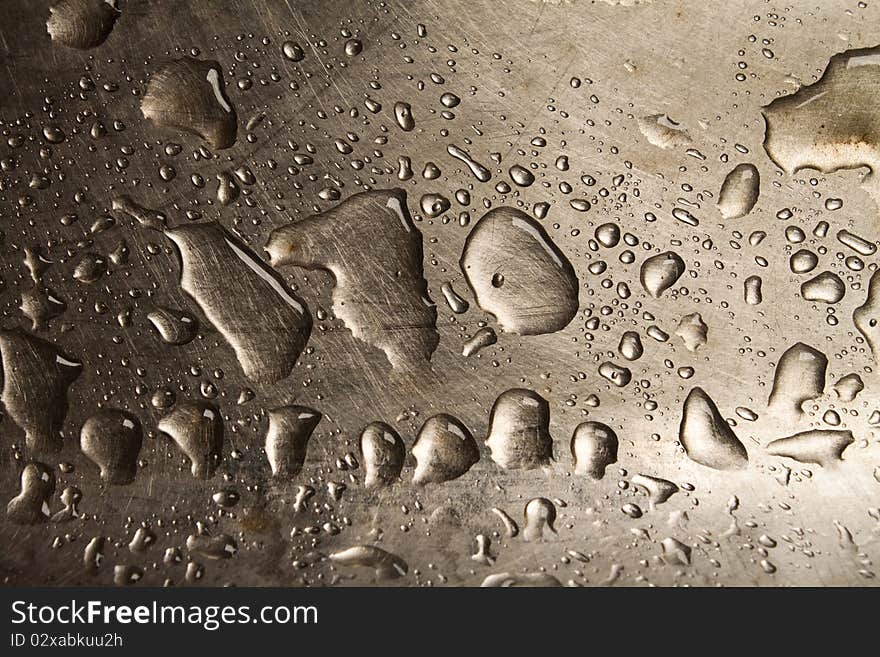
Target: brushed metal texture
x,y
445,293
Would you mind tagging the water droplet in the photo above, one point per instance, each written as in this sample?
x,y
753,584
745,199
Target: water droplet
x,y
480,172
630,346
152,219
856,243
799,376
510,526
449,100
539,293
706,437
36,376
740,190
593,448
663,132
287,439
174,326
482,337
188,94
433,205
826,287
383,453
866,317
444,450
532,580
803,261
373,249
292,51
353,47
752,292
521,176
227,189
848,387
519,430
693,331
81,24
822,447
822,126
31,505
660,272
217,547
659,490
540,514
608,235
112,440
456,303
616,374
93,554
197,429
127,574
676,552
385,564
264,322
90,268
404,116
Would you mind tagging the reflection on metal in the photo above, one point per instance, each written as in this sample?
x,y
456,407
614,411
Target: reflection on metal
x,y
439,293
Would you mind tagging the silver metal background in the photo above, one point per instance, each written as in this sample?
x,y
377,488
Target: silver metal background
x,y
679,58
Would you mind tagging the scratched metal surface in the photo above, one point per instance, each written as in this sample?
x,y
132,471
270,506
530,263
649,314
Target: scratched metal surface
x,y
516,67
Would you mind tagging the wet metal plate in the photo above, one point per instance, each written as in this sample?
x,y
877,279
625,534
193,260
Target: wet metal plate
x,y
445,293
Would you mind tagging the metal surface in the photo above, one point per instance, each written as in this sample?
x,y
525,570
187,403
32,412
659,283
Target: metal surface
x,y
615,112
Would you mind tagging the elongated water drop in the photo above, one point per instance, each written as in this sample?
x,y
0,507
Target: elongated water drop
x,y
706,437
36,377
188,94
593,447
383,453
287,439
262,319
740,190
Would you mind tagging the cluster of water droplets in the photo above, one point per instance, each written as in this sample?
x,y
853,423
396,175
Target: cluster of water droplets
x,y
391,337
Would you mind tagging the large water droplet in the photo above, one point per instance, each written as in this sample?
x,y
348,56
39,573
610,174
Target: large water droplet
x,y
174,326
593,448
31,505
660,272
867,316
81,24
385,564
383,453
112,440
540,514
706,436
36,376
519,430
371,246
823,447
827,287
444,450
518,274
189,94
799,376
831,124
197,429
266,324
